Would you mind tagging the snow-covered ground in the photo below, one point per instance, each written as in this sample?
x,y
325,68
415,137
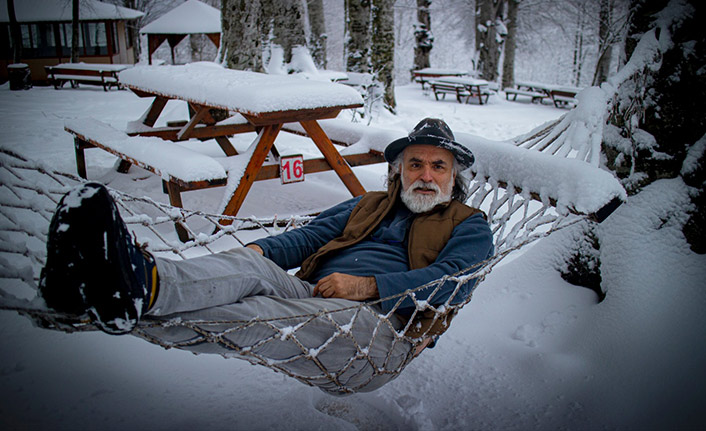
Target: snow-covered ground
x,y
529,352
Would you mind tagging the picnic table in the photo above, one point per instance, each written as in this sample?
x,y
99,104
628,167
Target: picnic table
x,y
251,102
105,75
462,86
561,95
425,75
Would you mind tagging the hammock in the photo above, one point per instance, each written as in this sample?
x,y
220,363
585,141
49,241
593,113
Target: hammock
x,y
364,348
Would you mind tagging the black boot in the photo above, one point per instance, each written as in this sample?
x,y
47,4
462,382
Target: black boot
x,y
93,266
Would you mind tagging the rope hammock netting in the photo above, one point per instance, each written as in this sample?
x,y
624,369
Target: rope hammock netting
x,y
361,347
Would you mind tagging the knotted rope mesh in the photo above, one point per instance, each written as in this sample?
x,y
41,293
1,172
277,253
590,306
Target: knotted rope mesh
x,y
378,345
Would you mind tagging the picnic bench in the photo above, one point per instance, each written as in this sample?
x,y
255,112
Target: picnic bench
x,y
105,75
536,96
463,87
423,76
252,102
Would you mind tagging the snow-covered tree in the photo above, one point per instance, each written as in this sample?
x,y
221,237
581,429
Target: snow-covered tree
x,y
240,35
490,35
358,36
660,121
606,40
287,25
318,35
510,44
423,36
383,49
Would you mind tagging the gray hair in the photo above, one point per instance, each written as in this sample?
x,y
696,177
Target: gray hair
x,y
461,183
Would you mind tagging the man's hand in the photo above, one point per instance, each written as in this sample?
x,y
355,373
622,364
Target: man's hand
x,y
347,286
255,247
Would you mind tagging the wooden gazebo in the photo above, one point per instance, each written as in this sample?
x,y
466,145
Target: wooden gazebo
x,y
192,17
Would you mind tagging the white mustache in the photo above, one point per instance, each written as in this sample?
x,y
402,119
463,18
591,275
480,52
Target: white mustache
x,y
424,185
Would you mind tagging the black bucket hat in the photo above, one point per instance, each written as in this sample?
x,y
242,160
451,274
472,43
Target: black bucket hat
x,y
431,131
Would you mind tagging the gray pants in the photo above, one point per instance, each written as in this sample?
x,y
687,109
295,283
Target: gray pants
x,y
350,349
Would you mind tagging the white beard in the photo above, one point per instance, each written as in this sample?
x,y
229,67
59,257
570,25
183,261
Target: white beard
x,y
420,203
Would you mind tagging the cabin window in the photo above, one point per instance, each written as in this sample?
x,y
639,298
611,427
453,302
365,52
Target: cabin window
x,y
38,40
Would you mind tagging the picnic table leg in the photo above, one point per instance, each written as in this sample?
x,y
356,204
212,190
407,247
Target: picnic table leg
x,y
79,146
201,114
175,201
154,110
265,141
344,172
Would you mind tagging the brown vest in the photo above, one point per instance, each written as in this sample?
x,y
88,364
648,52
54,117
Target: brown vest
x,y
427,236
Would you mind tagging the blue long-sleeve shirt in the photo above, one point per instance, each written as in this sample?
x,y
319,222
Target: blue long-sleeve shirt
x,y
383,254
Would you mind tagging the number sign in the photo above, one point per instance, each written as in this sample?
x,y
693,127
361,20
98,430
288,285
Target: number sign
x,y
291,169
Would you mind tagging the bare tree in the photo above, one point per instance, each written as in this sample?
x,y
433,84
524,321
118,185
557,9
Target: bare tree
x,y
358,36
383,49
423,35
510,44
318,36
240,35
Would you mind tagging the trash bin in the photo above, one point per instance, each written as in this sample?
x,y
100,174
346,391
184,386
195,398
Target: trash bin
x,y
19,76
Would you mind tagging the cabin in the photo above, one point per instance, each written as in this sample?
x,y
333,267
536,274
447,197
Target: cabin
x,y
107,34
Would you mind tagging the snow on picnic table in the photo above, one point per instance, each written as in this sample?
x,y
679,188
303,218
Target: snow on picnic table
x,y
240,91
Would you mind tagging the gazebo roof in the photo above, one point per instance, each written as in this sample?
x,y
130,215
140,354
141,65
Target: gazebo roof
x,y
60,10
192,17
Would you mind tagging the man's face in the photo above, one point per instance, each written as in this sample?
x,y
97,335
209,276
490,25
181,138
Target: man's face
x,y
427,177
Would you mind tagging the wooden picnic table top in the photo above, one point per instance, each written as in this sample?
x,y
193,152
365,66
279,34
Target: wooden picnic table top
x,y
255,102
281,98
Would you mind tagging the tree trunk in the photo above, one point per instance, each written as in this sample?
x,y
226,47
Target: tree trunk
x,y
510,44
383,49
288,26
578,48
359,36
423,35
317,39
74,31
489,38
240,35
15,32
605,43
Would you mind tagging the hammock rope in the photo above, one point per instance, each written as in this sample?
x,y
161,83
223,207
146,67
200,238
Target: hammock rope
x,y
30,192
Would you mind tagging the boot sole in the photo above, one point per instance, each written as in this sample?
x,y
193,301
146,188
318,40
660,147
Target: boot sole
x,y
102,270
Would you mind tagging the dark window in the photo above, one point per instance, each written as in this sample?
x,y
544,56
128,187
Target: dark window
x,y
65,40
38,40
95,39
114,37
129,35
5,41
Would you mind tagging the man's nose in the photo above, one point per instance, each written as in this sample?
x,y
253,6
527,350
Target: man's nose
x,y
426,174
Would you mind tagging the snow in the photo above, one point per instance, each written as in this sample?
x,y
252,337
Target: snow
x,y
191,17
529,352
245,92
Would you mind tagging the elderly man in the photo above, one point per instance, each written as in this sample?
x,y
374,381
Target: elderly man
x,y
373,246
